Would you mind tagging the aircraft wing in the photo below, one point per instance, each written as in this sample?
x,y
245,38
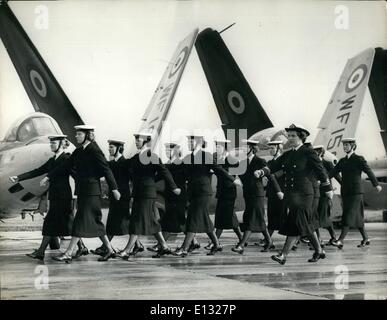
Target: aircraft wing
x,y
40,84
341,117
237,105
158,108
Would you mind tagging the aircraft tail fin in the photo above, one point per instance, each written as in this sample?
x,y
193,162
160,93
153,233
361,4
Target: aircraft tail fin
x,y
378,90
40,84
158,108
237,105
341,117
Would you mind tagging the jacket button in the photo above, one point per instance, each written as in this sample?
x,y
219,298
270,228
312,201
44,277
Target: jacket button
x,y
292,184
294,166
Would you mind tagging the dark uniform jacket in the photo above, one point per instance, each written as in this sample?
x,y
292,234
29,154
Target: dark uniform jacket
x,y
225,188
176,169
59,186
275,184
90,165
197,169
253,186
298,167
144,168
351,170
122,176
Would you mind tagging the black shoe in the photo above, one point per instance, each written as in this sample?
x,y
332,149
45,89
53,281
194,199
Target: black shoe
x,y
214,250
180,253
193,247
317,256
137,249
81,252
237,249
63,258
101,251
123,255
154,248
294,248
36,255
304,240
209,246
107,256
364,243
279,258
260,243
164,251
338,244
330,242
322,255
268,247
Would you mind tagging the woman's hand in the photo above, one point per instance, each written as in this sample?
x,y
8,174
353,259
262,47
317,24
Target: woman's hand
x,y
116,194
44,182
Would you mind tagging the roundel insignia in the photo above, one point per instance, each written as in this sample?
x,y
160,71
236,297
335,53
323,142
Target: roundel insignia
x,y
356,78
236,102
179,62
38,83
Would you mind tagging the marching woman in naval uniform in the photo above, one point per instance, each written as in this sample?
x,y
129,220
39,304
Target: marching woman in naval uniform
x,y
60,216
144,220
297,168
90,165
173,220
226,192
351,168
198,165
253,193
276,210
325,204
117,223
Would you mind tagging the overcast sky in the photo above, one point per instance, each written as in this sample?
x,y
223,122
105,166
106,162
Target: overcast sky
x,y
109,56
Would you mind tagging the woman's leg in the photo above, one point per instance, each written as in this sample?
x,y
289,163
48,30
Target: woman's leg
x,y
106,243
129,246
363,233
315,242
213,238
245,238
290,240
218,232
71,247
238,232
44,244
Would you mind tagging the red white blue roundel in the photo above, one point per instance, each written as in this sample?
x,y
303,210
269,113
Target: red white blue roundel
x,y
179,61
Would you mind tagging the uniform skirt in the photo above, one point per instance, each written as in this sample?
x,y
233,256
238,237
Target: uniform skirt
x,y
276,212
353,211
117,223
315,214
144,219
225,217
59,218
88,219
198,218
298,221
173,219
254,215
324,212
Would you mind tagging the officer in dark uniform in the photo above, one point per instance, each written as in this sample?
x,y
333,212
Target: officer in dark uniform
x,y
276,210
117,223
297,168
145,165
254,193
174,218
198,165
325,204
226,192
60,216
351,167
90,165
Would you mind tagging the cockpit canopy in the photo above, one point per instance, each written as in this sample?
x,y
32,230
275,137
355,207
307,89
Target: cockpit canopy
x,y
31,126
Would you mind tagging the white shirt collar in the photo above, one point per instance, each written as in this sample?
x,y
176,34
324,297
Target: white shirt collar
x,y
58,154
117,157
85,144
251,156
298,147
